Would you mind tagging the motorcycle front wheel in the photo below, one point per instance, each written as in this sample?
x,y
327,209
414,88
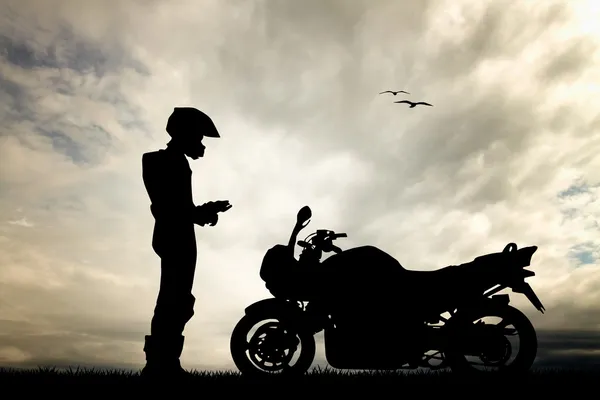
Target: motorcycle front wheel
x,y
275,347
478,347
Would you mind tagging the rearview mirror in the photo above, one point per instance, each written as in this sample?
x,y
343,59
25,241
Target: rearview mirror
x,y
303,215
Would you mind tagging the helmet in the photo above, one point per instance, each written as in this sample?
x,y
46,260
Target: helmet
x,y
191,119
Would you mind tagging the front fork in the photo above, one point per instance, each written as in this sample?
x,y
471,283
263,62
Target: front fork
x,y
317,319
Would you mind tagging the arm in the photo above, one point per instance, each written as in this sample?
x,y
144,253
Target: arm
x,y
152,183
203,215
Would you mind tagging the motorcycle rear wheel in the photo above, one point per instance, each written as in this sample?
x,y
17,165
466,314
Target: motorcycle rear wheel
x,y
244,351
527,337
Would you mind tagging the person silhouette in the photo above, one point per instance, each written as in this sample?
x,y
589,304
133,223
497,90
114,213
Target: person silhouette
x,y
168,181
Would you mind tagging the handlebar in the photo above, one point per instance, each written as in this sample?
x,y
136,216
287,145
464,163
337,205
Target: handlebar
x,y
323,239
335,249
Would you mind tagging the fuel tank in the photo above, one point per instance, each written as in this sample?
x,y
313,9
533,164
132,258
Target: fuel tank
x,y
361,258
362,271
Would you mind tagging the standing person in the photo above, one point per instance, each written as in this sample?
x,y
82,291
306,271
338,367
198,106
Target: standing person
x,y
168,180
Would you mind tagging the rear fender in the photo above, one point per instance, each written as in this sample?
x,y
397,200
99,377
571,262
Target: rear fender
x,y
527,273
524,255
454,328
495,301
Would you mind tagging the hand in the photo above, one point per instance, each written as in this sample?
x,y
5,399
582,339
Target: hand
x,y
212,221
207,212
222,205
204,215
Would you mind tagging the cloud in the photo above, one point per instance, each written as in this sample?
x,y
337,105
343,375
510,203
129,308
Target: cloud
x,y
22,222
508,153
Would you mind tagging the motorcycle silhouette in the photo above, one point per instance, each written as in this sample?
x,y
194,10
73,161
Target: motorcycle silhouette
x,y
377,315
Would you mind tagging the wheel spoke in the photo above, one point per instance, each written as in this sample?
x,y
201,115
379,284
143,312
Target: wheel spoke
x,y
504,323
266,344
270,347
477,363
510,332
504,337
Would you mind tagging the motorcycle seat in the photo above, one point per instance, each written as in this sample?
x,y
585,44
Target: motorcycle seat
x,y
472,270
444,274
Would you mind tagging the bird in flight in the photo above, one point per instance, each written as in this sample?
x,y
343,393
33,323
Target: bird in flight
x,y
413,105
394,93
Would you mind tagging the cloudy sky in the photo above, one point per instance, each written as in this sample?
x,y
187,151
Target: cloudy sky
x,y
509,152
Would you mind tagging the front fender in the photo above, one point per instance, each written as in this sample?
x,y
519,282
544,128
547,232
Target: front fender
x,y
279,309
270,306
275,308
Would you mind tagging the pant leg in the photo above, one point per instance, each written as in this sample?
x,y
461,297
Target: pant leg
x,y
175,302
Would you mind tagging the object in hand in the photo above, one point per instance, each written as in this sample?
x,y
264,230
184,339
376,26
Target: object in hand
x,y
207,213
221,205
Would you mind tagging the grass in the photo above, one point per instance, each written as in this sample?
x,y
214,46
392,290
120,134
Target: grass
x,y
316,378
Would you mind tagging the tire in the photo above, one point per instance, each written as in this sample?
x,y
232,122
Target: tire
x,y
527,337
239,344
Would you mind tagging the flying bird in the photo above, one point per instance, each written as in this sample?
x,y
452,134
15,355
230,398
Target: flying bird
x,y
413,105
394,93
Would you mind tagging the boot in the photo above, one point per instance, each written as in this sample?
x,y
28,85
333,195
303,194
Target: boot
x,y
162,357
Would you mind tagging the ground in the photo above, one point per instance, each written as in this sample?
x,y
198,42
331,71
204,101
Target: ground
x,y
83,380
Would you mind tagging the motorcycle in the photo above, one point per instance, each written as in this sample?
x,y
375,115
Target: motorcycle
x,y
365,322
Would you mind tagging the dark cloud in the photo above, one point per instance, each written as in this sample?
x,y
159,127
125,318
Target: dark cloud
x,y
577,350
16,99
71,67
62,349
575,189
69,51
568,62
62,143
24,56
498,30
